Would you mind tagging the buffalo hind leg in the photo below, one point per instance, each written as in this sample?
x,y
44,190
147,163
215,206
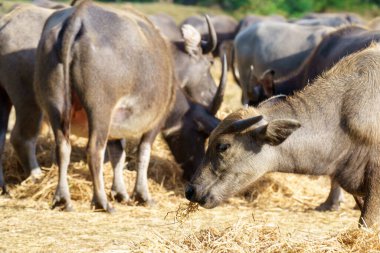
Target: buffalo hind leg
x,y
117,157
24,137
334,199
99,121
5,108
62,196
141,191
370,215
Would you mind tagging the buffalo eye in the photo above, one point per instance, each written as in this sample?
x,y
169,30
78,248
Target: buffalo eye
x,y
222,147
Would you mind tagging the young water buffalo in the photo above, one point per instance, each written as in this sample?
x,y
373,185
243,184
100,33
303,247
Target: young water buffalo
x,y
261,46
122,79
330,128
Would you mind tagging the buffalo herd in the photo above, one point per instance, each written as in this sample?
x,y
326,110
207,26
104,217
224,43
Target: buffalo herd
x,y
309,98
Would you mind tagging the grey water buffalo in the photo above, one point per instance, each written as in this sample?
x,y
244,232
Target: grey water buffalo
x,y
331,49
225,27
254,19
49,4
167,26
187,117
95,73
279,46
188,122
192,60
374,24
333,19
330,128
19,34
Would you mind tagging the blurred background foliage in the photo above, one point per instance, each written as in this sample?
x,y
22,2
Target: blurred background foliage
x,y
290,8
179,9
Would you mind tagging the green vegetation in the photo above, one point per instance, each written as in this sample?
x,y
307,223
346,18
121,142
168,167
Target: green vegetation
x,y
238,8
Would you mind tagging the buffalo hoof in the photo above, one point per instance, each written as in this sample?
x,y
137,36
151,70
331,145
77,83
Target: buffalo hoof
x,y
324,207
36,176
122,198
144,201
63,204
105,207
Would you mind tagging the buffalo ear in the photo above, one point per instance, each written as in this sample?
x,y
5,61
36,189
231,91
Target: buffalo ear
x,y
267,81
276,131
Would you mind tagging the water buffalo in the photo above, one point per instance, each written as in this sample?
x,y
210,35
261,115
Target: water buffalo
x,y
167,26
49,4
191,57
254,19
187,116
374,24
331,19
225,27
82,68
19,35
330,128
262,46
188,122
331,49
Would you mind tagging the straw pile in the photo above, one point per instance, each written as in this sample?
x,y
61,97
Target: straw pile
x,y
275,215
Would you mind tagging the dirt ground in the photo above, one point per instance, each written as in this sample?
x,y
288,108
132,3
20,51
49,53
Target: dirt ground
x,y
277,215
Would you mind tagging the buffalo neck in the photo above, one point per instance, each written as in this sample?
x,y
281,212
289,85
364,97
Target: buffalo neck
x,y
313,148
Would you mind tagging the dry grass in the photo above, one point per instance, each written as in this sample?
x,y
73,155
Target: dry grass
x,y
275,215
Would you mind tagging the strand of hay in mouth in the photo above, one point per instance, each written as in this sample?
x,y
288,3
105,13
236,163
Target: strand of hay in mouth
x,y
184,211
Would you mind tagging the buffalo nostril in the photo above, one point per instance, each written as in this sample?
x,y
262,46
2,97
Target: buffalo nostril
x,y
190,192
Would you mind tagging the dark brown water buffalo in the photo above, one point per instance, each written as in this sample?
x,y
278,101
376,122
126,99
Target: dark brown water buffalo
x,y
81,63
19,34
330,128
261,47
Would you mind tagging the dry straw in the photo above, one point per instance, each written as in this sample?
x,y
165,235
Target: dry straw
x,y
275,215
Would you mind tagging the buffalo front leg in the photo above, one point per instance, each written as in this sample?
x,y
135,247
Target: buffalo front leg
x,y
334,199
141,191
117,157
5,108
370,215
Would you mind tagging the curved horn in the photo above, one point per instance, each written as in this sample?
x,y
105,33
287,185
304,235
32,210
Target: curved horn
x,y
242,124
210,45
218,98
233,67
